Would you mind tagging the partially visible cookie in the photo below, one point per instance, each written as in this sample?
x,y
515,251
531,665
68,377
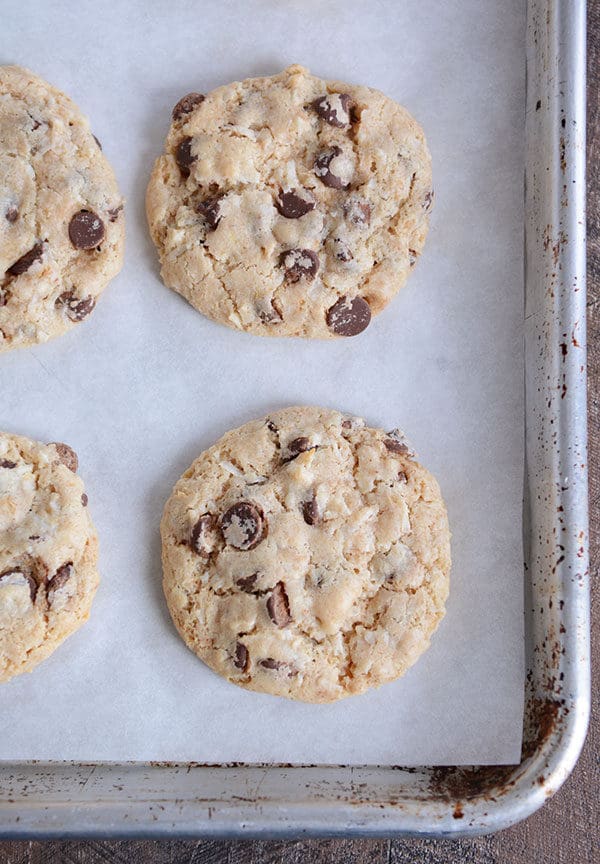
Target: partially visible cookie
x,y
307,555
61,215
48,551
290,206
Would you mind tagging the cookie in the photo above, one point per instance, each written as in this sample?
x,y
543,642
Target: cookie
x,y
307,555
61,215
290,206
48,551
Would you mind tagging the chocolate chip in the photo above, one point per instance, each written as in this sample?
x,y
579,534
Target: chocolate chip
x,y
348,317
278,606
247,583
66,455
270,663
202,538
86,230
395,444
84,499
25,261
113,214
269,313
299,445
299,264
241,657
325,173
59,580
75,308
358,211
292,206
209,209
16,571
412,257
243,526
97,142
184,155
310,512
271,426
12,214
339,249
402,477
428,200
6,463
186,105
334,108
278,665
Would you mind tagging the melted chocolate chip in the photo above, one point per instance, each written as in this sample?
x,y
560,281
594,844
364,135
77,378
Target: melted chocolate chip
x,y
334,108
86,230
25,261
349,317
84,499
310,512
269,314
278,665
113,214
33,586
66,455
412,257
209,209
59,580
340,250
5,296
76,309
6,463
299,264
278,606
395,445
12,214
247,583
299,445
240,661
292,206
402,477
271,426
243,526
184,156
358,212
326,175
17,571
187,105
202,538
97,142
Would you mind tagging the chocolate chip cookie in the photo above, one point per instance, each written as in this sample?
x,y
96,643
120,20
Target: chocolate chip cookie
x,y
290,206
48,551
307,555
61,215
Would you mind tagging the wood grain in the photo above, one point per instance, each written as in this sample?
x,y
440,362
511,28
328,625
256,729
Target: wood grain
x,y
565,830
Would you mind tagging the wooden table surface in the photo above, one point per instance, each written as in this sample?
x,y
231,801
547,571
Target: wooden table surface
x,y
565,830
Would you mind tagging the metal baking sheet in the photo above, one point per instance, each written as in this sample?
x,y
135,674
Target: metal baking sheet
x,y
102,799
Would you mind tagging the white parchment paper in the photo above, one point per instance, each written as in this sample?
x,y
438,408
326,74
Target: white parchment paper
x,y
147,383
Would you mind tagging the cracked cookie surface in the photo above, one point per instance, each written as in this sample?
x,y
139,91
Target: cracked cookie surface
x,y
61,215
306,555
48,551
290,206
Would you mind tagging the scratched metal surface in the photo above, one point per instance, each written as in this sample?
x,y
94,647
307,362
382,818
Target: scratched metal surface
x,y
160,800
